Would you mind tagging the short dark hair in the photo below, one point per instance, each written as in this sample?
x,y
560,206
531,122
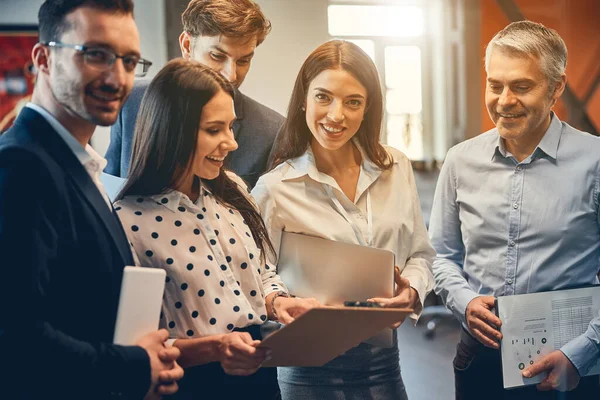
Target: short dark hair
x,y
52,14
231,18
295,136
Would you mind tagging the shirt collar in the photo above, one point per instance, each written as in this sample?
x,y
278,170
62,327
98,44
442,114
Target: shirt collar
x,y
172,198
548,144
82,155
306,165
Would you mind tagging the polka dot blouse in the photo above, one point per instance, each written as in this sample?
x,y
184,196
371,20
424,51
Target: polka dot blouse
x,y
215,278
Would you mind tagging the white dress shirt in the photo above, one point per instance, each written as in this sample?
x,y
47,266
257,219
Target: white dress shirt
x,y
216,280
93,162
294,197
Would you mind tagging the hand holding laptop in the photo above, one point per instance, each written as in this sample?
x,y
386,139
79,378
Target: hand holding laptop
x,y
406,296
290,308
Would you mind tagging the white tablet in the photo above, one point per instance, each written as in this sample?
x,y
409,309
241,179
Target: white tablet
x,y
139,303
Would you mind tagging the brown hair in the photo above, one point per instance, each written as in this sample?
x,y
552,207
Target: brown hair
x,y
166,134
52,22
231,18
295,136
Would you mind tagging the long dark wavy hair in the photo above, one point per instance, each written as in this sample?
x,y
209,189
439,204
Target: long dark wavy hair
x,y
166,134
295,136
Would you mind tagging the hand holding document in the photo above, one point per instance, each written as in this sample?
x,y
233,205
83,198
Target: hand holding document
x,y
537,324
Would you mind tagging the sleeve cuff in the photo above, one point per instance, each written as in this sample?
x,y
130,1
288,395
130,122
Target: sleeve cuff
x,y
422,292
460,301
582,353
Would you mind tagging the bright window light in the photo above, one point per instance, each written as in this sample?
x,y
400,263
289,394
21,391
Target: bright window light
x,y
403,78
405,132
395,21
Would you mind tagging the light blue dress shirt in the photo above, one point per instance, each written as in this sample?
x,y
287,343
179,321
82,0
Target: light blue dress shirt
x,y
501,227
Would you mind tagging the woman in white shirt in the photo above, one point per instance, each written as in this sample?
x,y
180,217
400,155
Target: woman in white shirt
x,y
333,179
184,213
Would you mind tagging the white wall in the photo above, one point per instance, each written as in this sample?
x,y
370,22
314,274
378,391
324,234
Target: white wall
x,y
299,26
149,16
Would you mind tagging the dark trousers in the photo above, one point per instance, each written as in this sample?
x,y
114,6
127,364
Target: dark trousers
x,y
478,375
209,381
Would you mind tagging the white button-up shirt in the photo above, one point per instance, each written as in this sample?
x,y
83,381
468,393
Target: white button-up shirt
x,y
293,198
216,280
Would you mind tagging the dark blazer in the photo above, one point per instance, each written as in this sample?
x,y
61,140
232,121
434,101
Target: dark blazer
x,y
255,130
62,253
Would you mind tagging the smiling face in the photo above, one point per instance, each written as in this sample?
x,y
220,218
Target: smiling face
x,y
335,107
229,56
518,95
215,137
84,92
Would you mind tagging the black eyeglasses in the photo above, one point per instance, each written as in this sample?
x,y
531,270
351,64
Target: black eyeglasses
x,y
102,59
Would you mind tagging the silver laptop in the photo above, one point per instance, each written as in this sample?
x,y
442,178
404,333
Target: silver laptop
x,y
335,272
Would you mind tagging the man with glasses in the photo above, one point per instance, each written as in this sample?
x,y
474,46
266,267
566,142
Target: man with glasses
x,y
222,34
62,246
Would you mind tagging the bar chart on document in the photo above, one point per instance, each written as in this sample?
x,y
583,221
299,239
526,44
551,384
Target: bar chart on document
x,y
536,324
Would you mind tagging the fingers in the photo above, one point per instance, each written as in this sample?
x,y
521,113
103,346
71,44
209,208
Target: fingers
x,y
544,385
486,315
489,301
381,300
402,300
552,382
171,375
162,335
239,347
245,338
541,365
167,389
284,317
483,338
169,354
401,281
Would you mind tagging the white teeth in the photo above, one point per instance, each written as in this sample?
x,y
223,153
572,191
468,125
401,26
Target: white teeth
x,y
332,130
215,158
509,115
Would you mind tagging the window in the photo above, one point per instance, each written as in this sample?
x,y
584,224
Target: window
x,y
394,21
393,37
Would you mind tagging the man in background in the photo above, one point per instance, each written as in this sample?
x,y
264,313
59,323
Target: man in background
x,y
62,247
222,34
516,210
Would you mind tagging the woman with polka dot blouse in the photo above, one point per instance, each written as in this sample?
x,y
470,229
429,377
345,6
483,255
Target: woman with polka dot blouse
x,y
332,178
185,214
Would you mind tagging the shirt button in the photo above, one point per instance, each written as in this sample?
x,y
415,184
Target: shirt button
x,y
512,243
519,168
515,206
510,281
